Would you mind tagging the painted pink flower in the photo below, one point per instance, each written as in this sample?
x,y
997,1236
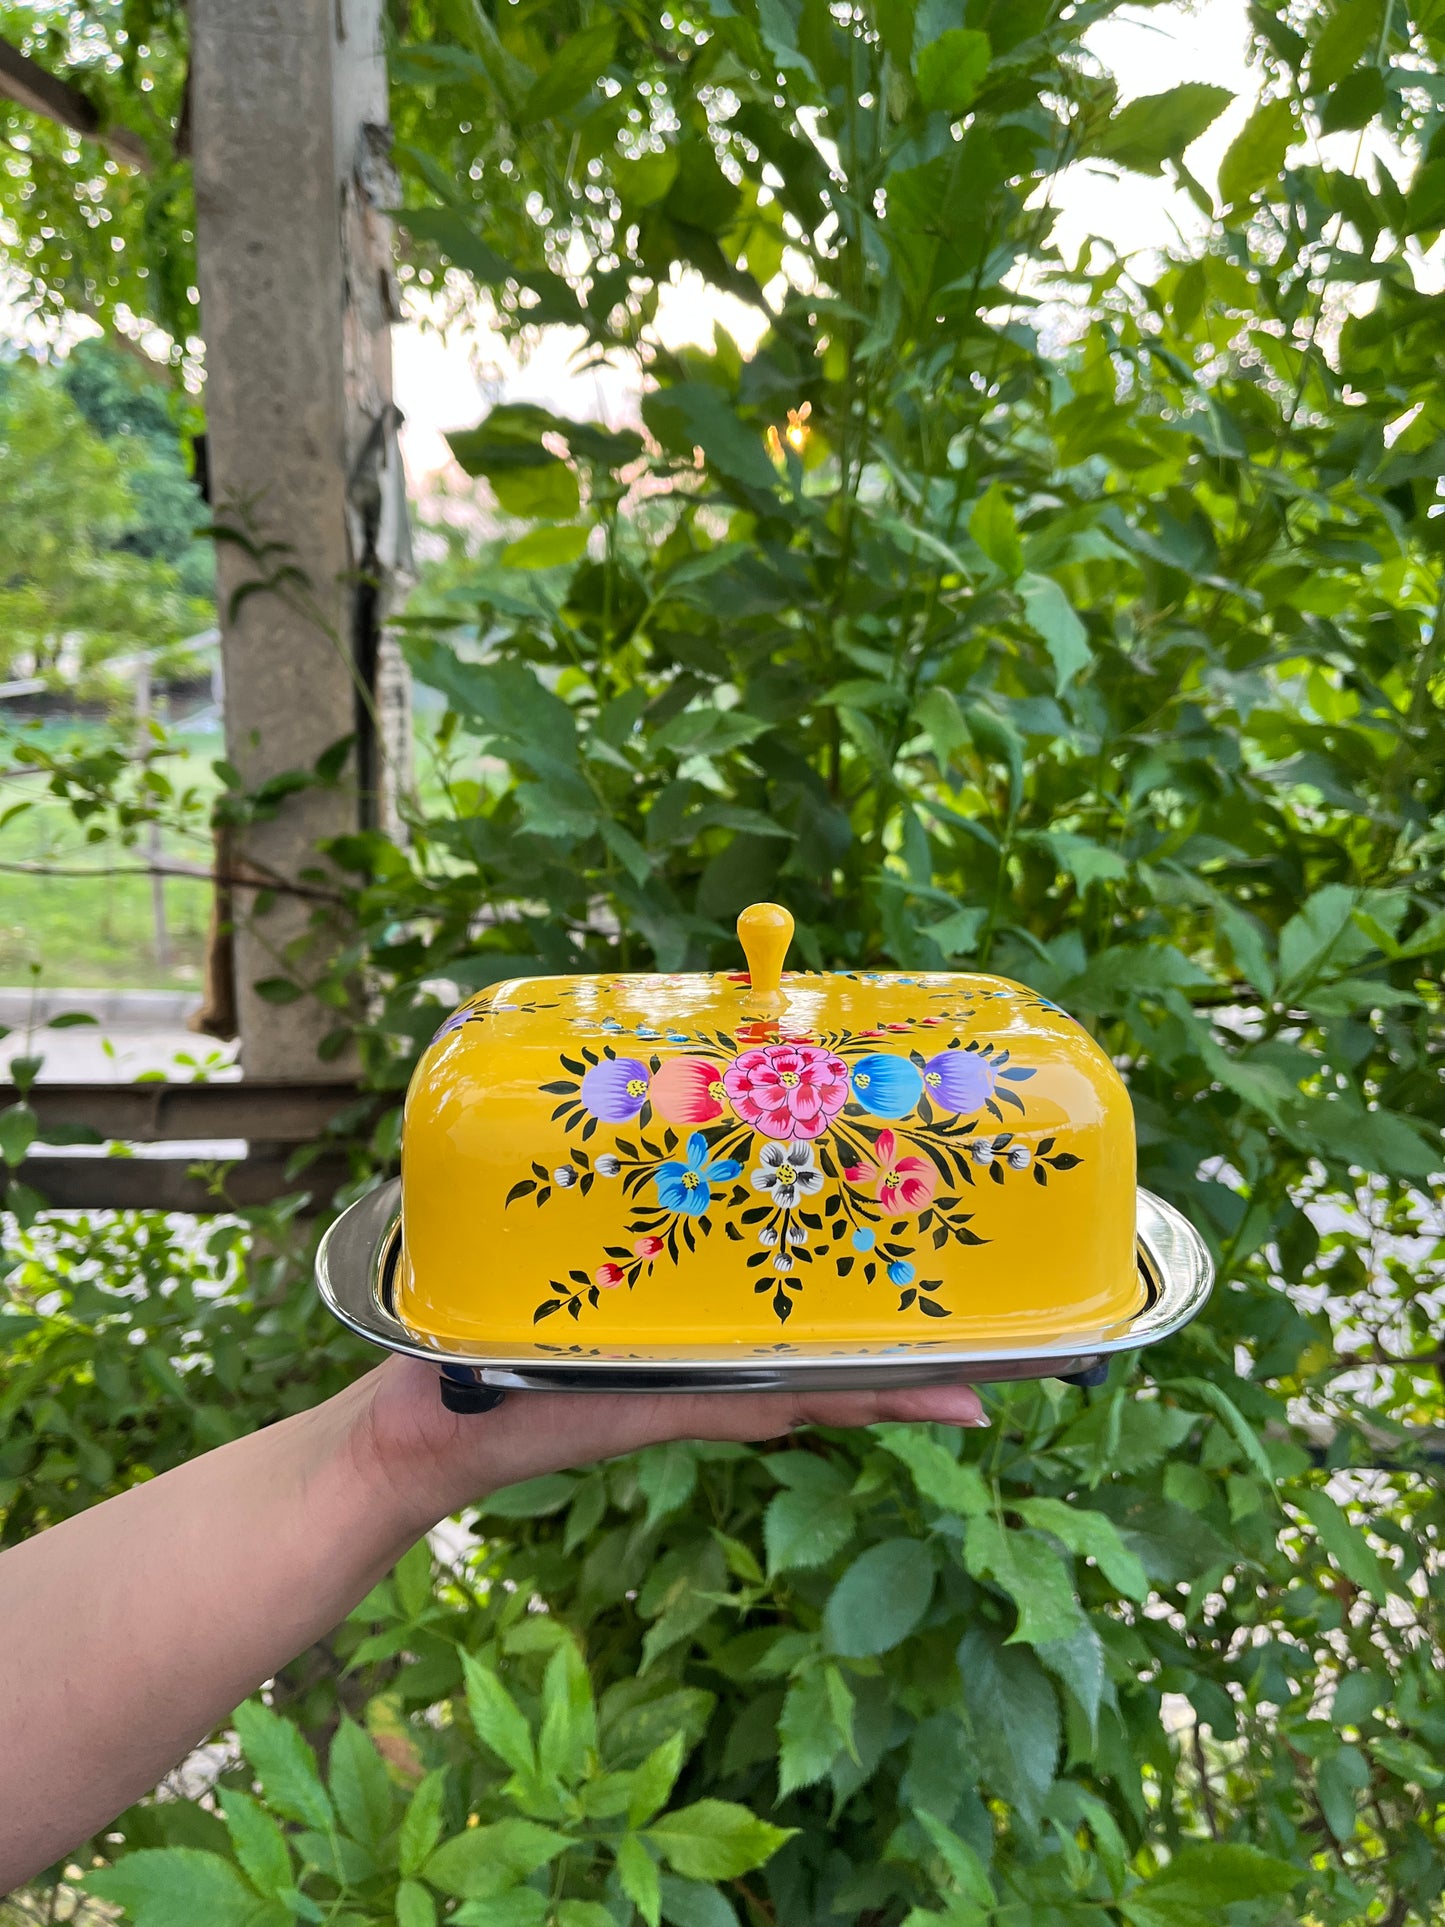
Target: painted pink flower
x,y
608,1275
899,1183
688,1090
647,1247
787,1090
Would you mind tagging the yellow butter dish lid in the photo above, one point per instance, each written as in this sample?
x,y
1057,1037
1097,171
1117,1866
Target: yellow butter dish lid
x,y
722,1165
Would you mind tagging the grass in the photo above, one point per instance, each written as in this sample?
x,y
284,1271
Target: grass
x,y
97,930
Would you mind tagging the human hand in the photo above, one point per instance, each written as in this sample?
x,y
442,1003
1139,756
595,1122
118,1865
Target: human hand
x,y
432,1461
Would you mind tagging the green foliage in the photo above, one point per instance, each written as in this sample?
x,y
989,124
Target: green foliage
x,y
1114,668
87,235
89,539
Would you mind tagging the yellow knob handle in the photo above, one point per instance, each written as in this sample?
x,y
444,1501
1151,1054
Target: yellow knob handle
x,y
765,930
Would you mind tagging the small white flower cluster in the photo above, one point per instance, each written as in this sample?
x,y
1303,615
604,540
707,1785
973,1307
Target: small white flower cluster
x,y
1018,1156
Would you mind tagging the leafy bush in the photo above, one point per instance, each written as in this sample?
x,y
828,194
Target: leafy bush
x,y
1114,667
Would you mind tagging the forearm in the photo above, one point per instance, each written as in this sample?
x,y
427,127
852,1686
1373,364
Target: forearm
x,y
129,1632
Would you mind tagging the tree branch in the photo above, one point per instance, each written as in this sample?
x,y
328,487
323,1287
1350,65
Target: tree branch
x,y
29,85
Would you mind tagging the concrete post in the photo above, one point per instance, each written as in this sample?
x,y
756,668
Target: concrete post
x,y
290,140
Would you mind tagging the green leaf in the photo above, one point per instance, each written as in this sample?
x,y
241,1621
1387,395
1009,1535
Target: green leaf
x,y
1158,127
180,1887
1255,157
1217,1874
1344,1542
666,1474
993,527
485,1861
1030,1572
966,1870
694,414
880,1598
18,1126
361,1789
278,990
1014,1717
951,69
1093,1536
653,1781
414,1906
569,1716
548,492
570,75
957,1487
499,1721
639,1879
531,1498
808,1737
1354,101
716,1840
546,548
1351,29
687,1904
517,1907
810,1522
284,1764
1049,614
259,1843
421,1824
1340,1779
412,1576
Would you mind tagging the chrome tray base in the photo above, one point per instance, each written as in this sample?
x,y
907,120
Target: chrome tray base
x,y
356,1264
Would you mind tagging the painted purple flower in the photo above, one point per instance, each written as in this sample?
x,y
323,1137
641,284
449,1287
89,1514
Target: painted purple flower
x,y
616,1089
959,1080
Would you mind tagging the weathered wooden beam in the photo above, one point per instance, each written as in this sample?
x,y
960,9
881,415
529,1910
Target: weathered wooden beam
x,y
289,141
32,86
165,1184
155,1113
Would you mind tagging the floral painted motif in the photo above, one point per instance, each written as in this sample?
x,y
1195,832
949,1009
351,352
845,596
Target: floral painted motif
x,y
787,1173
846,1151
787,1090
686,1185
689,1090
616,1089
900,1183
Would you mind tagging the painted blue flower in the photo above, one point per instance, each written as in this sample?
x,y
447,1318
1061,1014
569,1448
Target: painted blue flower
x,y
687,1186
887,1085
900,1273
863,1238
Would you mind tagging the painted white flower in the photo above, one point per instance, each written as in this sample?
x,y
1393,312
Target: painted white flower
x,y
564,1176
768,1235
608,1166
797,1234
981,1151
1020,1156
783,1262
787,1172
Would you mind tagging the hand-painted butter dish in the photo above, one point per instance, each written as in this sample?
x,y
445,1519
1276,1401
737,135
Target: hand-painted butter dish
x,y
761,1178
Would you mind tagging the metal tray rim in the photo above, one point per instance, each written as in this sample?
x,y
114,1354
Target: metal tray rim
x,y
351,1264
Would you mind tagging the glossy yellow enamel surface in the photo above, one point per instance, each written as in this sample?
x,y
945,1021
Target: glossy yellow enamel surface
x,y
686,1165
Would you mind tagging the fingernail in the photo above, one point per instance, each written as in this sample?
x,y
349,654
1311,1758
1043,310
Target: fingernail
x,y
977,1424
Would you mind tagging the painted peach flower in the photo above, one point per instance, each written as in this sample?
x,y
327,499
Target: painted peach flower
x,y
689,1090
899,1183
